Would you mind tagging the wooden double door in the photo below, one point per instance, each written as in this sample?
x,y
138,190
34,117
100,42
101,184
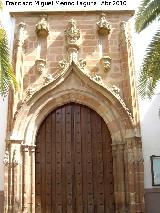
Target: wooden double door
x,y
74,171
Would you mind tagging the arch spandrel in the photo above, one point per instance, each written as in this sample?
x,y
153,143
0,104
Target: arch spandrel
x,y
73,85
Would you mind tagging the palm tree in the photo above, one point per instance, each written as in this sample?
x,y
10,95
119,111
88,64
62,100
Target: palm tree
x,y
148,12
7,77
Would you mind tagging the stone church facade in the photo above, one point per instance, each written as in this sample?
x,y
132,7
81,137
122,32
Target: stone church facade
x,y
73,138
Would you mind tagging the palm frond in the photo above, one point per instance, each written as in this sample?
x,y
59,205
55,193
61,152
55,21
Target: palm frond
x,y
144,3
7,77
150,71
148,11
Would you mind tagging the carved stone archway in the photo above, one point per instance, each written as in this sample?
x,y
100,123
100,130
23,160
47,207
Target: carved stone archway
x,y
74,84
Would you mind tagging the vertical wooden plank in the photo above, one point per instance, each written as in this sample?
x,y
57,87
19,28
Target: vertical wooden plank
x,y
53,161
43,166
100,165
97,162
63,131
105,163
78,160
48,153
73,157
89,161
69,162
85,162
58,162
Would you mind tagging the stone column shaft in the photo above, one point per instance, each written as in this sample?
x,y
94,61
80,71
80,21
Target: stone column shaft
x,y
119,179
135,190
32,150
6,184
25,179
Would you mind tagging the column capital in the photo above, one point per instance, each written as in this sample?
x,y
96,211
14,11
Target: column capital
x,y
28,147
32,148
25,147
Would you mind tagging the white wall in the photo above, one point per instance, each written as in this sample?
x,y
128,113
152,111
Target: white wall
x,y
149,109
150,127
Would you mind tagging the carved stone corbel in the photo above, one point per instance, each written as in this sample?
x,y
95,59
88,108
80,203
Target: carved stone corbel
x,y
105,62
42,29
103,26
40,65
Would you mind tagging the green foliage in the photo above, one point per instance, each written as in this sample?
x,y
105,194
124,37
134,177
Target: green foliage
x,y
7,77
148,12
150,71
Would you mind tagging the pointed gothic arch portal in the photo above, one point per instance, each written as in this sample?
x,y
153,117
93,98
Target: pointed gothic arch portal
x,y
74,85
74,165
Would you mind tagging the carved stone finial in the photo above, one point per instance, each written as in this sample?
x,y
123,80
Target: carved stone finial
x,y
105,62
63,64
6,158
103,26
82,63
42,29
15,160
30,91
40,66
48,78
72,33
115,89
97,78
